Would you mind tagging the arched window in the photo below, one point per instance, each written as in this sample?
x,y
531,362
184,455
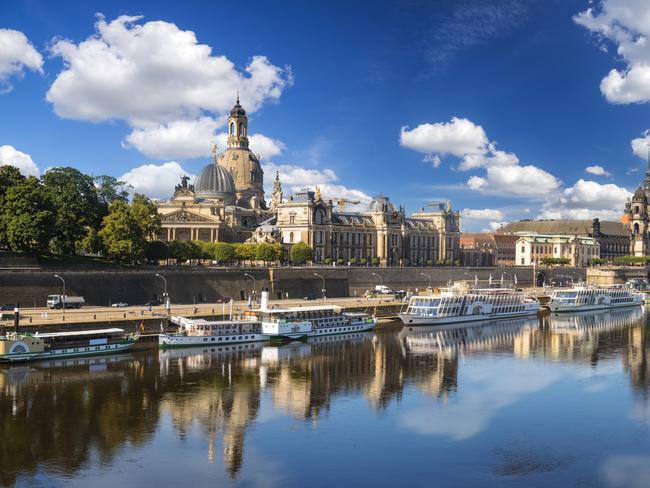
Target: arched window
x,y
636,229
290,236
232,129
241,130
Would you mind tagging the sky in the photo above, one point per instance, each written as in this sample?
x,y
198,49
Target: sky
x,y
510,109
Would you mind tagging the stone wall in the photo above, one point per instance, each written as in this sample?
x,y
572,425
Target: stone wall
x,y
611,276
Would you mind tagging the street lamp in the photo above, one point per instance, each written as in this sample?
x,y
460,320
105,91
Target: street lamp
x,y
165,291
62,296
381,281
429,277
323,290
254,283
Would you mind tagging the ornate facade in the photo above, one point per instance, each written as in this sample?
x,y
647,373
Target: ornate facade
x,y
637,217
226,203
382,231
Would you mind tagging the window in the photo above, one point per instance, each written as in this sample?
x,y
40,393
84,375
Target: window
x,y
292,218
241,129
290,236
636,229
522,261
232,129
523,249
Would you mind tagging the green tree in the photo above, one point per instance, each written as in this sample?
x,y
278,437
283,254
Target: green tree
x,y
179,251
245,252
28,217
121,235
110,189
223,252
156,251
76,203
145,213
266,252
301,253
91,242
10,177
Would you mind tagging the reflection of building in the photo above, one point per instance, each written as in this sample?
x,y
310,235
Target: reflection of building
x,y
613,237
534,248
382,231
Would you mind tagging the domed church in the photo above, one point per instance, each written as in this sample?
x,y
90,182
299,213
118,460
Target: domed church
x,y
226,201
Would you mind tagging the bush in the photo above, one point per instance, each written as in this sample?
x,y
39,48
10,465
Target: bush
x,y
267,252
429,262
339,261
301,253
223,252
353,261
328,260
597,261
156,251
555,261
633,260
375,261
364,261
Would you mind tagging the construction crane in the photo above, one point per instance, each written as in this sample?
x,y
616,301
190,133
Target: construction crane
x,y
342,201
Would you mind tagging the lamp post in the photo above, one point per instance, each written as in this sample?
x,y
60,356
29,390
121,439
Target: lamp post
x,y
429,277
165,296
323,289
62,296
254,283
381,280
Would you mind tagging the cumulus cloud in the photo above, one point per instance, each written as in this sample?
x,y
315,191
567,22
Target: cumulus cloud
x,y
152,73
485,219
625,23
641,145
586,200
296,178
9,155
172,91
182,139
515,181
16,54
597,170
155,180
458,138
482,214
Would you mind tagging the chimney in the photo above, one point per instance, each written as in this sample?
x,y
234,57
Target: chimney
x,y
16,317
264,301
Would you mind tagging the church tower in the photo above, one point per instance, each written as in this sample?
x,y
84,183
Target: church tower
x,y
276,196
242,163
637,216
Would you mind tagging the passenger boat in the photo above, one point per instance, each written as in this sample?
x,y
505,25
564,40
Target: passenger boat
x,y
584,297
200,332
464,303
15,347
313,321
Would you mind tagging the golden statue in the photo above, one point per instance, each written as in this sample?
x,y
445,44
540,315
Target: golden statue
x,y
214,151
318,195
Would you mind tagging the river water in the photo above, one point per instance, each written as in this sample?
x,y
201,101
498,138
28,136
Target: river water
x,y
557,402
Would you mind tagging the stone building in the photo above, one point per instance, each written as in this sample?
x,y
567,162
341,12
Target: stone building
x,y
478,249
613,237
383,231
637,217
532,249
226,201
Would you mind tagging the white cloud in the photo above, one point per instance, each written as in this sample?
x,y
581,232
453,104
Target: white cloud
x,y
626,23
156,180
295,178
9,155
515,181
153,73
16,54
641,145
597,170
182,139
587,200
629,471
458,138
482,214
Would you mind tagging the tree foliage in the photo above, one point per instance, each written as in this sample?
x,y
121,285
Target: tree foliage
x,y
27,216
110,189
223,252
10,177
558,261
301,253
156,251
77,206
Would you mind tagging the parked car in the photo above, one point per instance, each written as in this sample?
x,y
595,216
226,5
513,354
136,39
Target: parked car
x,y
7,306
310,296
223,300
153,303
120,304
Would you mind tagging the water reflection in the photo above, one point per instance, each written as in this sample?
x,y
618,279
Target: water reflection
x,y
62,418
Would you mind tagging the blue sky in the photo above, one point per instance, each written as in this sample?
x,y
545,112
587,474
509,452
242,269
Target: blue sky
x,y
499,106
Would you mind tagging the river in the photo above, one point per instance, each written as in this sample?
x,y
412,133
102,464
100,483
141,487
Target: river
x,y
560,401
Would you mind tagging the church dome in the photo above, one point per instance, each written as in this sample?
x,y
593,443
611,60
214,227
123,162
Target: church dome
x,y
381,204
214,181
237,110
639,194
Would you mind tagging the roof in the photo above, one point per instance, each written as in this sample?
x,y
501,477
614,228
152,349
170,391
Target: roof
x,y
474,238
569,227
557,239
80,332
214,181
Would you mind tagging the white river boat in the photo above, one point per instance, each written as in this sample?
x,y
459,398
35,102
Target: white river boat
x,y
200,332
462,303
16,347
584,297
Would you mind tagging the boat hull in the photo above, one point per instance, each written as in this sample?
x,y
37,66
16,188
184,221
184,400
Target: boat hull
x,y
563,308
70,352
179,340
414,321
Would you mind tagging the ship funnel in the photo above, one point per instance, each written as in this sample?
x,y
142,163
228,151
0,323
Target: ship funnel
x,y
16,317
264,301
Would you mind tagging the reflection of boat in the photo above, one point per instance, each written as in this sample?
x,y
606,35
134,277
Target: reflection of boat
x,y
464,303
298,350
583,297
603,321
15,347
487,335
221,350
201,332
